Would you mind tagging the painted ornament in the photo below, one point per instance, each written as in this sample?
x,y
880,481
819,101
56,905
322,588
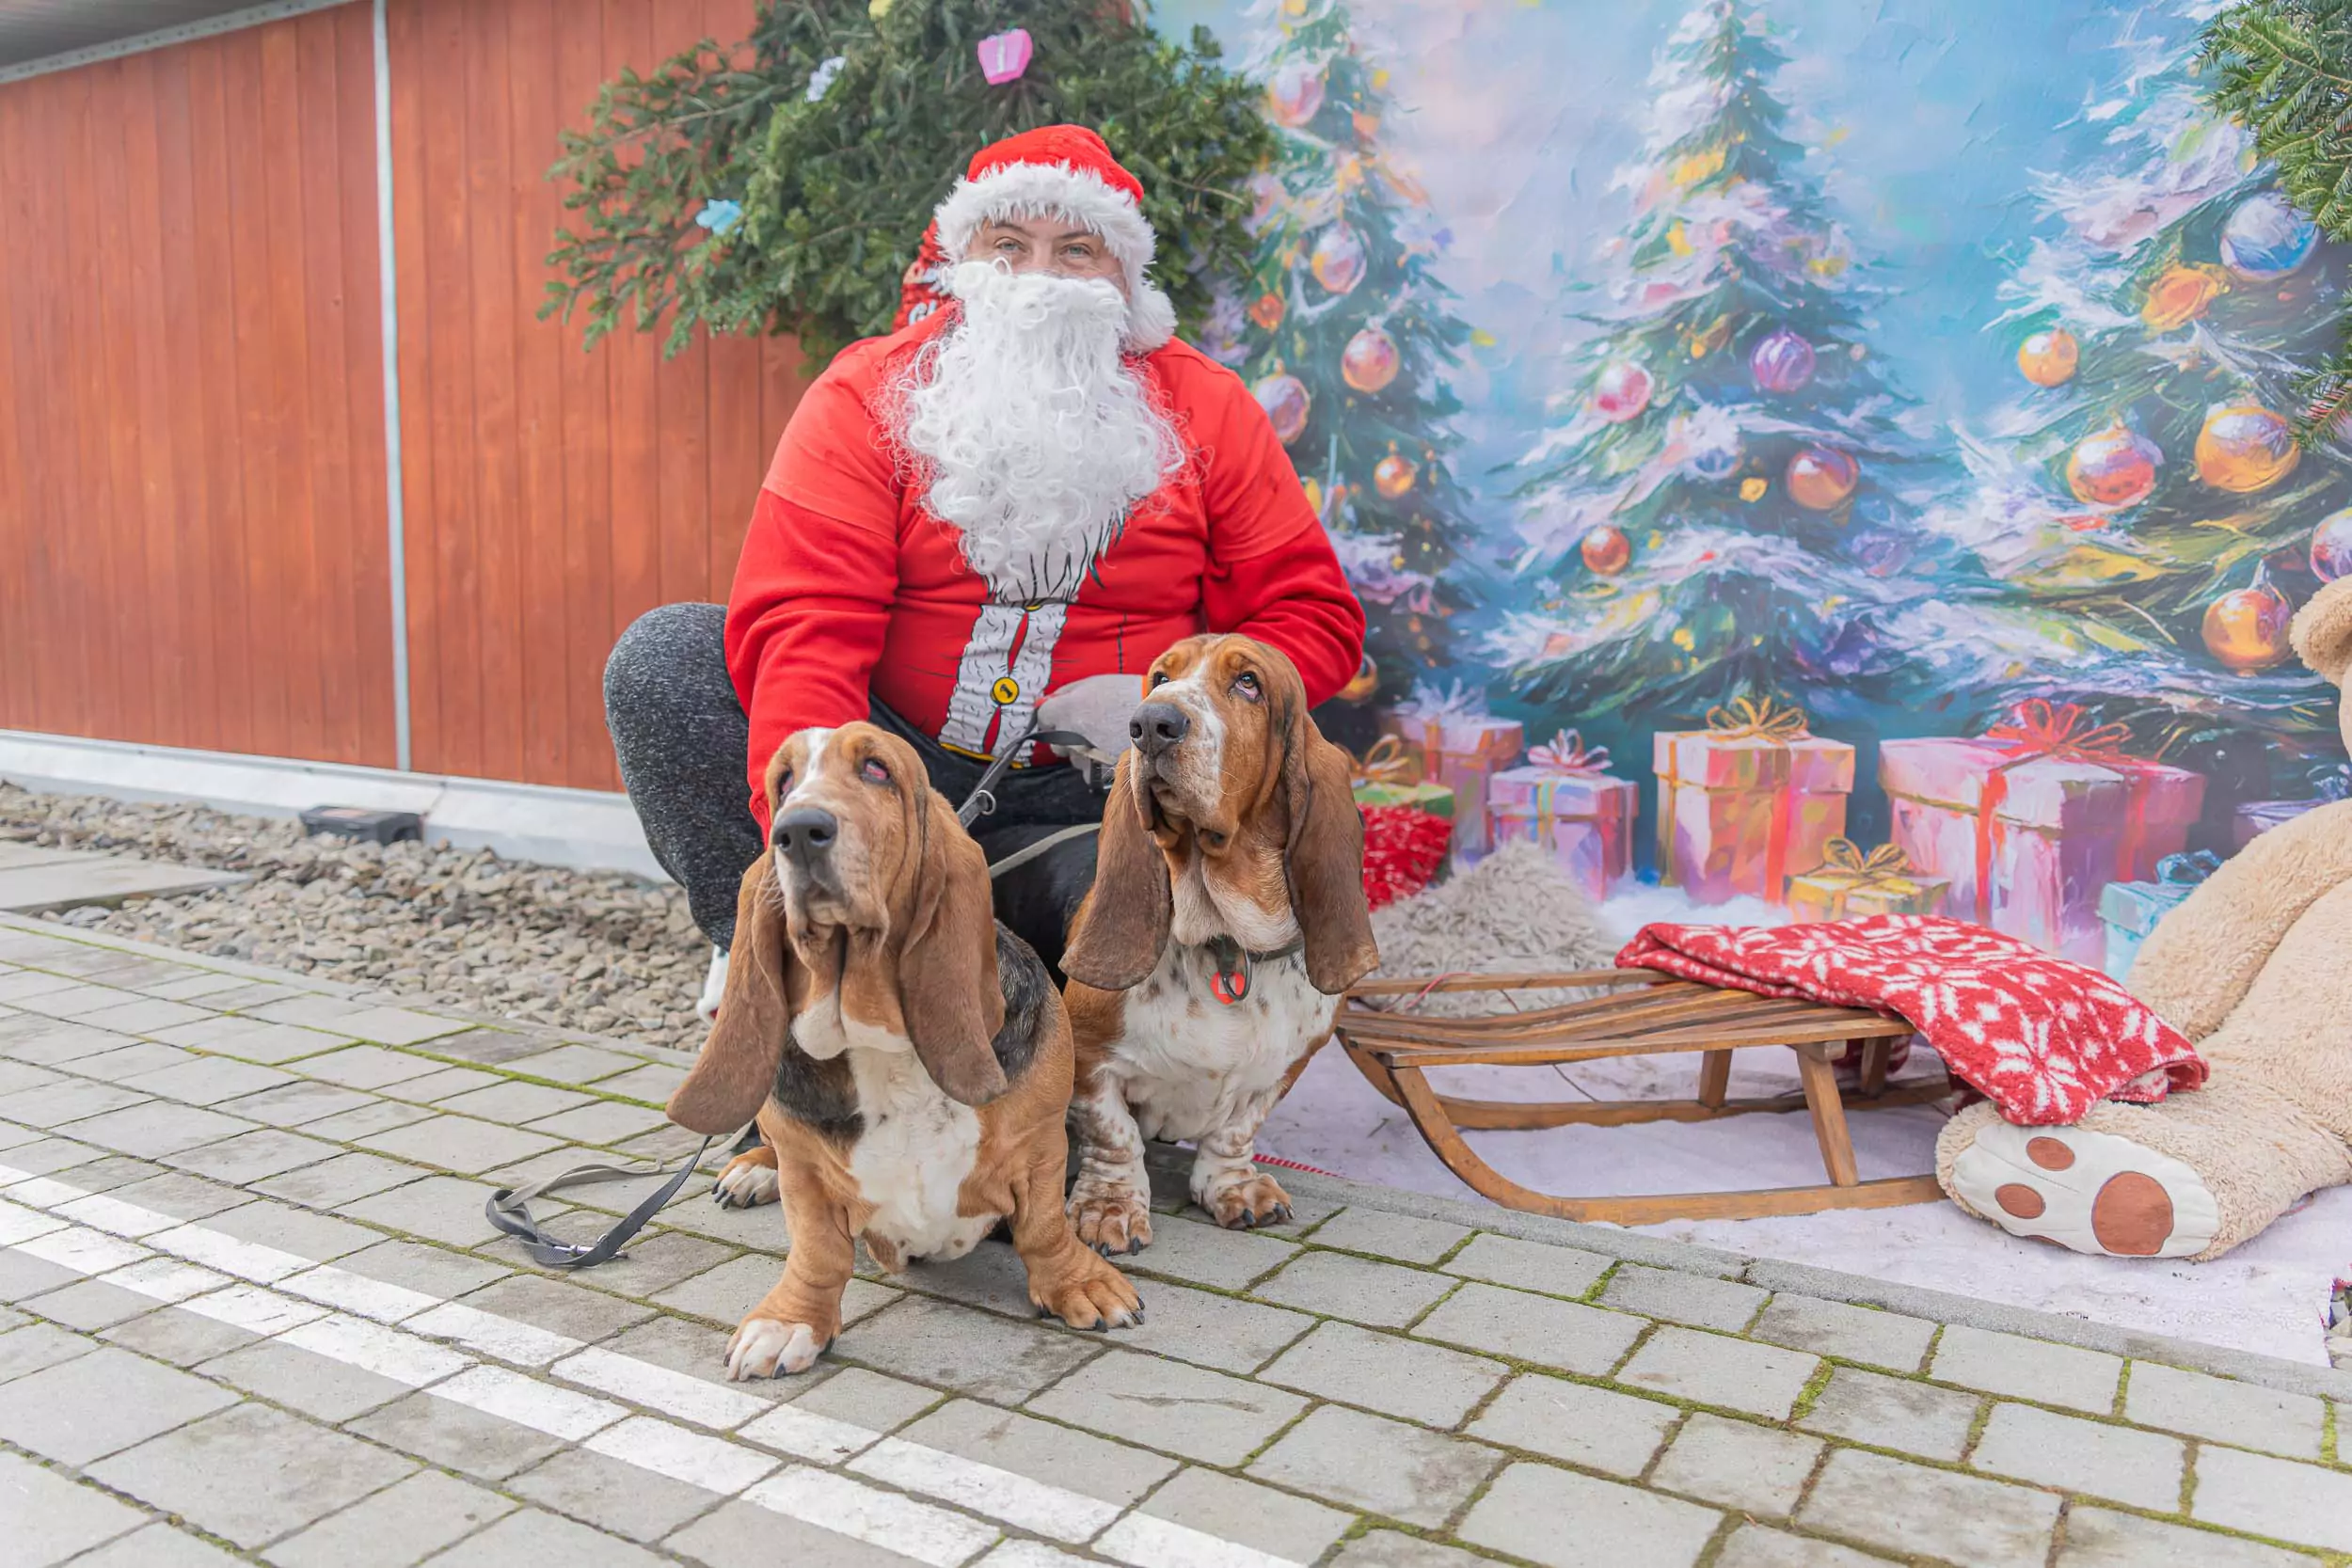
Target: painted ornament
x,y
2247,631
1753,487
1621,391
2267,238
1365,682
2115,467
1370,361
2048,358
1781,363
2179,295
1606,551
1394,474
1338,258
2245,448
1295,93
1283,397
1266,310
2331,546
1820,477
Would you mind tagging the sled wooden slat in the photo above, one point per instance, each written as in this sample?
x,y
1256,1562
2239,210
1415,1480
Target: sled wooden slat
x,y
1394,1047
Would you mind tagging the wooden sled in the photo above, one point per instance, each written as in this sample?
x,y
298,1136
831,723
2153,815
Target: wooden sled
x,y
1658,1015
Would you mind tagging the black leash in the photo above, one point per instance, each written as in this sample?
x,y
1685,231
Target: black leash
x,y
509,1208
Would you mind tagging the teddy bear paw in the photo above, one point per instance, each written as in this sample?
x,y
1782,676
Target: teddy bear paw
x,y
2092,1192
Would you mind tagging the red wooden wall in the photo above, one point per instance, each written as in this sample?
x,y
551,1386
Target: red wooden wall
x,y
551,495
193,536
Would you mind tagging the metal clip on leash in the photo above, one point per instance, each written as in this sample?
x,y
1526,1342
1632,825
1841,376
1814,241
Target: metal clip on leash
x,y
509,1208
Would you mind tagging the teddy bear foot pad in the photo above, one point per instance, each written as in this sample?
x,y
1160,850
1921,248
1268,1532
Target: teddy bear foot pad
x,y
2091,1192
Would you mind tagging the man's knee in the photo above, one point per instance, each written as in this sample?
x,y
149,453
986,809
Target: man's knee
x,y
645,670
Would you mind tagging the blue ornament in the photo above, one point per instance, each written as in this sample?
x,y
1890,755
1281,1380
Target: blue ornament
x,y
1714,463
719,215
2267,238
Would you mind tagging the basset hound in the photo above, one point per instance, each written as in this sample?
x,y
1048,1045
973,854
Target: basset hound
x,y
1227,916
907,1058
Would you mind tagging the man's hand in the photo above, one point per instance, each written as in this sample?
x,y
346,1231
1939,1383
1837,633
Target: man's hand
x,y
1097,707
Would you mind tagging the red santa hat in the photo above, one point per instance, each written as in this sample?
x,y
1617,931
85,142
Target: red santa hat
x,y
1064,171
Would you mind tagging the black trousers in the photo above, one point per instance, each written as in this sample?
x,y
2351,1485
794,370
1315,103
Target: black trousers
x,y
683,739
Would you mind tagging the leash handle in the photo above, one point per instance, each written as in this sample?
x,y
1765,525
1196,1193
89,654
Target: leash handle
x,y
982,801
509,1210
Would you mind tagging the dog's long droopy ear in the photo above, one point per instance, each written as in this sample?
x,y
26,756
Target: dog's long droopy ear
x,y
1122,928
733,1077
949,990
1325,861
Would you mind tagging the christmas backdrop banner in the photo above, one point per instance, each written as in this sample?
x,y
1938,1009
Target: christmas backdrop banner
x,y
1897,363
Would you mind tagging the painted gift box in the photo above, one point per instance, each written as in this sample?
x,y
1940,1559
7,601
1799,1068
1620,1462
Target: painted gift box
x,y
1563,799
1457,743
2032,818
1386,776
2131,909
1743,801
1850,883
2330,782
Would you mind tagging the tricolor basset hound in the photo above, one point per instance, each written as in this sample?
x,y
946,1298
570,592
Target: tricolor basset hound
x,y
1227,916
907,1058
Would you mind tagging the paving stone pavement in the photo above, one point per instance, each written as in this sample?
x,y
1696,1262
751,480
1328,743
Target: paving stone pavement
x,y
250,1312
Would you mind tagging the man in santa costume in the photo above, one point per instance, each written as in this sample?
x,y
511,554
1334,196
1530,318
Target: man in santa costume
x,y
993,519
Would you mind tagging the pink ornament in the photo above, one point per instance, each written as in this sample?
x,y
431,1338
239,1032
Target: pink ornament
x,y
1781,363
1005,56
1621,391
1283,397
1338,258
2331,546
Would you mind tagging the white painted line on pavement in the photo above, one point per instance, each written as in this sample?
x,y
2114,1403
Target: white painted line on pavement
x,y
412,1350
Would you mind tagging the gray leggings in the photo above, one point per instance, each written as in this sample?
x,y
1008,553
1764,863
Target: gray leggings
x,y
681,739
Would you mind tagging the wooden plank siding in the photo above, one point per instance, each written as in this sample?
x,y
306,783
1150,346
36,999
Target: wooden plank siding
x,y
192,507
551,495
193,514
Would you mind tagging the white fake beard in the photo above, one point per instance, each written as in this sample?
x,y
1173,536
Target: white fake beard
x,y
1033,436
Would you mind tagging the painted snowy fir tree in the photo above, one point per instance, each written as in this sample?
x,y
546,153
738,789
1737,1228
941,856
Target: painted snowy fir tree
x,y
2146,521
1343,331
1718,513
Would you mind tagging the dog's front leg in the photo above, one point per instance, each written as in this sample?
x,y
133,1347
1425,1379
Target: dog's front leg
x,y
1110,1203
1066,1280
794,1323
1225,1182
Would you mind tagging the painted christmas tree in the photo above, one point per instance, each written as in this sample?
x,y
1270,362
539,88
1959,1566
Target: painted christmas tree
x,y
1720,512
1344,333
2145,521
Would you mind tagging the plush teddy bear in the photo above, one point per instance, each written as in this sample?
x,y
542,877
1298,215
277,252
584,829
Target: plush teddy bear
x,y
2256,968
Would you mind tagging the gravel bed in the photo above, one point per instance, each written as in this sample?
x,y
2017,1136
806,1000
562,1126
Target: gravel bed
x,y
598,951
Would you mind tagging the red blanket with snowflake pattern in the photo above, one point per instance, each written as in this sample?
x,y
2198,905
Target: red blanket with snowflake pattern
x,y
2044,1038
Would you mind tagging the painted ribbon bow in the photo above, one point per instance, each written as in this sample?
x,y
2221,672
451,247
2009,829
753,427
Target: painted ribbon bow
x,y
1387,763
1758,717
1882,864
2039,727
2188,870
1566,752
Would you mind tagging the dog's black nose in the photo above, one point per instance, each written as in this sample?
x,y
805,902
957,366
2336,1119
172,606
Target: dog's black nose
x,y
1157,726
806,834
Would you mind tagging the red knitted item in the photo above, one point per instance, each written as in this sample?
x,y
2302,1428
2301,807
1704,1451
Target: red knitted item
x,y
1403,850
2044,1038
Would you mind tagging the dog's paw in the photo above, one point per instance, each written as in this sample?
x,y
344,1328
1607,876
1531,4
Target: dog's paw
x,y
1090,1294
748,1180
1245,1198
1110,1217
765,1347
2091,1192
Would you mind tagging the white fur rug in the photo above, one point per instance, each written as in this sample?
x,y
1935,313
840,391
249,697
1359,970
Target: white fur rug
x,y
1513,912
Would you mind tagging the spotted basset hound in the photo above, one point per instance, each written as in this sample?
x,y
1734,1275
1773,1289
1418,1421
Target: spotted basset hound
x,y
907,1058
1227,916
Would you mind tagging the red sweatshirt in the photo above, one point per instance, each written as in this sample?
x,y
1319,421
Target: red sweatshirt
x,y
847,586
